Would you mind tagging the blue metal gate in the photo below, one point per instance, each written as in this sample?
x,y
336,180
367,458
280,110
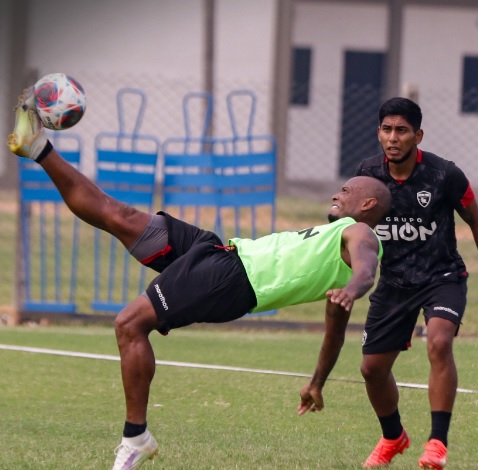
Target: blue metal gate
x,y
49,235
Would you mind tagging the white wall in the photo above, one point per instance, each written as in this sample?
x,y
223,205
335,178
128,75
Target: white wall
x,y
329,29
110,44
245,51
157,46
164,36
435,40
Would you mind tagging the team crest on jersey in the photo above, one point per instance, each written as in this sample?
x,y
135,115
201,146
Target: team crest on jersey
x,y
424,198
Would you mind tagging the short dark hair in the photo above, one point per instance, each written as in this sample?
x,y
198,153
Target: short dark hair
x,y
402,107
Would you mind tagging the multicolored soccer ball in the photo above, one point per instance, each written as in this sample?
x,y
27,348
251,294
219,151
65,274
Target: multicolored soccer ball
x,y
60,101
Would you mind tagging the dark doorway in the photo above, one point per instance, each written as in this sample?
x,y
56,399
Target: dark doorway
x,y
361,99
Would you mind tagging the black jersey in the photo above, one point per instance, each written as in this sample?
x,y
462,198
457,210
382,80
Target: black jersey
x,y
418,234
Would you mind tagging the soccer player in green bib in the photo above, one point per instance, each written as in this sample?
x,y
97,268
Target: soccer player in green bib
x,y
204,280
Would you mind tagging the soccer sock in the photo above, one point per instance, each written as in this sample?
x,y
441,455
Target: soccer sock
x,y
391,425
133,430
440,426
43,153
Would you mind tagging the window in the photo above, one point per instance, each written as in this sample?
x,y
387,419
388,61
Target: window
x,y
301,65
469,97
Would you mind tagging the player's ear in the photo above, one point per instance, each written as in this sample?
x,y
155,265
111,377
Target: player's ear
x,y
418,136
369,203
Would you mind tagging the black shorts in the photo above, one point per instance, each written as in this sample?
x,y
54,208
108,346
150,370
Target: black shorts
x,y
393,312
200,281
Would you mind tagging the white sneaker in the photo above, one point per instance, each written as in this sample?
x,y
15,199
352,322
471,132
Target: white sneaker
x,y
133,452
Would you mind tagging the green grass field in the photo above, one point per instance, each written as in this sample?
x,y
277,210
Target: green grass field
x,y
67,413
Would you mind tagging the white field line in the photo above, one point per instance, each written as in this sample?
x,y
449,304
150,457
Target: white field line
x,y
105,357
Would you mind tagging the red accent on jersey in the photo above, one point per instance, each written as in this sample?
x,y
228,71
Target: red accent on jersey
x,y
418,160
226,247
468,197
163,252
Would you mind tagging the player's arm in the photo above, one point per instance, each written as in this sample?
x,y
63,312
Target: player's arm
x,y
470,215
336,319
460,191
361,250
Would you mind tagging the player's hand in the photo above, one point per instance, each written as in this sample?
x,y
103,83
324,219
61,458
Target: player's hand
x,y
310,399
341,297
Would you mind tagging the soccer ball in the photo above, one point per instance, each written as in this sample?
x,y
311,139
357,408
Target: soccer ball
x,y
60,101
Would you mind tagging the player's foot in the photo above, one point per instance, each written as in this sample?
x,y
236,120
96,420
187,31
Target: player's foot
x,y
386,450
434,456
132,453
27,139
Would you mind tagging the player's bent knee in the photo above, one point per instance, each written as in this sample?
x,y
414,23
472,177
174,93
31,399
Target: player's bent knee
x,y
137,318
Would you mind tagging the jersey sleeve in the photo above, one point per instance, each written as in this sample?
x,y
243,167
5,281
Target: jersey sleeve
x,y
459,187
